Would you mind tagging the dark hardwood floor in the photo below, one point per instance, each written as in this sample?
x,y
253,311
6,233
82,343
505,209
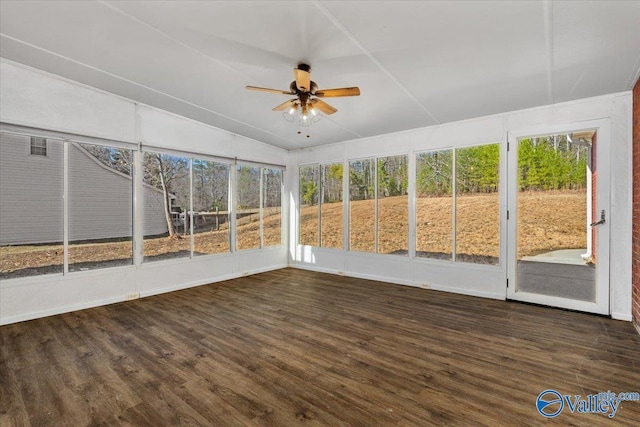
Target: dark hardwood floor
x,y
293,347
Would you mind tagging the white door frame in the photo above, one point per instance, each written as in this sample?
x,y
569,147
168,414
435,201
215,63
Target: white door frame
x,y
603,155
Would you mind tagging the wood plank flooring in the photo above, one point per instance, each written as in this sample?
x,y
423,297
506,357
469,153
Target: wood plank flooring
x,y
293,347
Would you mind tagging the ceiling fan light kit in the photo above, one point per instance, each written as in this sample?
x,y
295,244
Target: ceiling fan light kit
x,y
303,109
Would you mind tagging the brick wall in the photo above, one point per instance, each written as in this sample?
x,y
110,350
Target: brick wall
x,y
635,272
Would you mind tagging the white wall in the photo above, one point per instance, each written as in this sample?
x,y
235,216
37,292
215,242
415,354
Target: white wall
x,y
35,99
480,280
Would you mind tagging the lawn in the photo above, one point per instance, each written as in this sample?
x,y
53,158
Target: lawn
x,y
548,221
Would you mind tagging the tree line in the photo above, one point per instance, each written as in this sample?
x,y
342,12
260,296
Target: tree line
x,y
546,163
325,181
552,164
169,174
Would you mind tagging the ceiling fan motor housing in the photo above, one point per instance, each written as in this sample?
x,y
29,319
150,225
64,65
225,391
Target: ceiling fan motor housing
x,y
294,88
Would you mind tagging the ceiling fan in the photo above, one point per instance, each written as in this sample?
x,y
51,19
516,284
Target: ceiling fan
x,y
307,95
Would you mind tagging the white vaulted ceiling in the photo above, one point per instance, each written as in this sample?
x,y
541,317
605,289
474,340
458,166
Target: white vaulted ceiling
x,y
417,63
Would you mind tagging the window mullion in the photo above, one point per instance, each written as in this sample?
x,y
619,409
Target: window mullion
x,y
454,196
261,205
233,175
346,205
138,207
190,213
375,195
320,200
65,206
411,200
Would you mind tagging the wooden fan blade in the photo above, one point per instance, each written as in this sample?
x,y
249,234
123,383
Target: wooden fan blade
x,y
285,105
266,89
323,106
343,91
303,79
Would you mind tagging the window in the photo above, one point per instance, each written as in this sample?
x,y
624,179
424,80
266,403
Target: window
x,y
184,204
321,205
362,205
393,206
100,206
166,205
38,146
434,204
272,207
309,206
472,233
477,219
258,207
31,209
210,207
331,235
553,193
248,207
378,205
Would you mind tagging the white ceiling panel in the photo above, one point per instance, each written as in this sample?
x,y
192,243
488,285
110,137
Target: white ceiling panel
x,y
596,48
455,57
417,63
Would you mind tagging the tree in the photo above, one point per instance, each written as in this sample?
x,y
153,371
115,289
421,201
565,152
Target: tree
x,y
248,187
272,188
332,183
166,173
120,159
309,192
309,183
361,179
551,163
478,169
434,176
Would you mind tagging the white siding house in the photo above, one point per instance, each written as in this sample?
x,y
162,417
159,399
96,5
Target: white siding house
x,y
100,198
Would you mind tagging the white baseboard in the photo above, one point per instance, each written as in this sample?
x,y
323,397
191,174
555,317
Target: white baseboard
x,y
381,279
208,281
622,316
60,310
117,299
308,267
470,292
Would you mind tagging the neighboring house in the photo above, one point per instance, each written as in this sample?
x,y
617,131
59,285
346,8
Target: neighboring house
x,y
100,198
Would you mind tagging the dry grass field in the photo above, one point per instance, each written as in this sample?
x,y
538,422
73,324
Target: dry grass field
x,y
547,221
30,260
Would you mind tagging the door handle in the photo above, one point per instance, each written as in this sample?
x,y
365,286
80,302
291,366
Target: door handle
x,y
601,221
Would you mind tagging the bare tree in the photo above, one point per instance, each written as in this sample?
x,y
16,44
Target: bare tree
x,y
166,173
120,159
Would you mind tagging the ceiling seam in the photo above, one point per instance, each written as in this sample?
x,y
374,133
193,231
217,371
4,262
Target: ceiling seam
x,y
144,87
373,59
180,42
547,9
223,64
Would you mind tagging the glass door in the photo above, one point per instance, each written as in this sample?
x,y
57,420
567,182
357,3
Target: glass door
x,y
558,230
